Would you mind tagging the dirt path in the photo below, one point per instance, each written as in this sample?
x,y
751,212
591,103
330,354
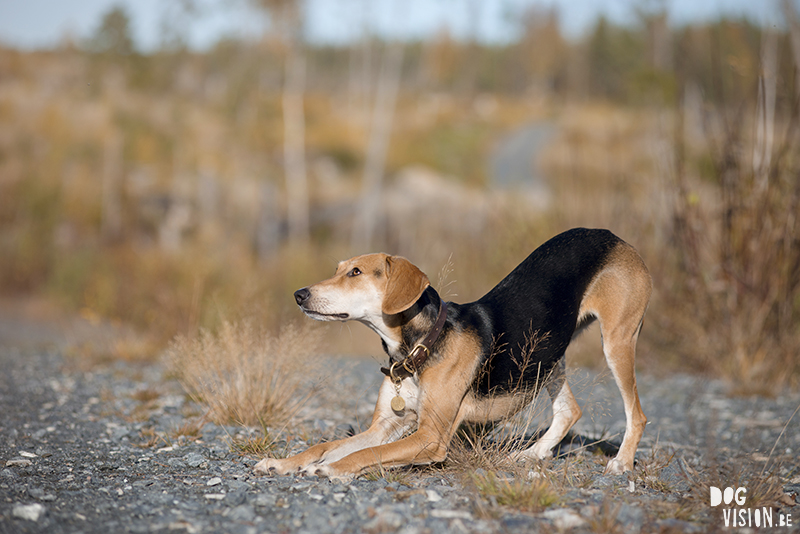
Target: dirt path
x,y
513,164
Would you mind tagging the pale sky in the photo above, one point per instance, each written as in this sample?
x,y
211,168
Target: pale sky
x,y
43,23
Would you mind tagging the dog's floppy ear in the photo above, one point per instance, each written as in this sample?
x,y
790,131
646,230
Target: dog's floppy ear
x,y
404,286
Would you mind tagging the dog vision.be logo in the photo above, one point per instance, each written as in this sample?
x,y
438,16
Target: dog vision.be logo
x,y
736,515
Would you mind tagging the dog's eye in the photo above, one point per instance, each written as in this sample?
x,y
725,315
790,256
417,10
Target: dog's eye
x,y
355,272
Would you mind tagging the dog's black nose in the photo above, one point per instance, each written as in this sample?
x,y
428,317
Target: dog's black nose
x,y
301,295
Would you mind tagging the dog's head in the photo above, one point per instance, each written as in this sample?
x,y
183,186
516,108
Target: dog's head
x,y
364,288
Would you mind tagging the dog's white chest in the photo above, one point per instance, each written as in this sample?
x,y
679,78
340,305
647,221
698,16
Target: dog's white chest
x,y
406,396
400,399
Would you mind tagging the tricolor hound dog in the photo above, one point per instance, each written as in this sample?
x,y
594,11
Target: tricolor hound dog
x,y
461,363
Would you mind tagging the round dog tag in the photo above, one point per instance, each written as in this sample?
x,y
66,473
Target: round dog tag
x,y
398,404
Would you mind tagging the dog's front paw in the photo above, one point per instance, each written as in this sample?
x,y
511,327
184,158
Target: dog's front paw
x,y
269,466
518,457
616,467
531,454
264,466
329,472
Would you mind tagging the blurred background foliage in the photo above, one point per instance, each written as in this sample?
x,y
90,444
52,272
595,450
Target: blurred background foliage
x,y
178,189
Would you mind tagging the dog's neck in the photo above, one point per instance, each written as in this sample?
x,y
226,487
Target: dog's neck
x,y
409,327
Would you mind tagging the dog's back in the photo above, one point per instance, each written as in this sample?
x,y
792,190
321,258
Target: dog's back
x,y
534,311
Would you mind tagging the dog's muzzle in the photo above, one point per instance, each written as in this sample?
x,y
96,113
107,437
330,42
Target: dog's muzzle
x,y
302,296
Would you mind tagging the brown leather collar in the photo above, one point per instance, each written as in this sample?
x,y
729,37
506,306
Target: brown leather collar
x,y
421,351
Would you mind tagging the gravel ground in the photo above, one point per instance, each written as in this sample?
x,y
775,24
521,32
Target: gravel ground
x,y
106,450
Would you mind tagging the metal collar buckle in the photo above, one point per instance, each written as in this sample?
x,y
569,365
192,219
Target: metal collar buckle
x,y
406,361
395,379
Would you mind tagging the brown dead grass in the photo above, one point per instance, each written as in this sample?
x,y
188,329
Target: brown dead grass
x,y
764,488
257,445
245,375
518,493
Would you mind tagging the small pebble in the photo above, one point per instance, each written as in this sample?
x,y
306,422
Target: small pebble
x,y
29,512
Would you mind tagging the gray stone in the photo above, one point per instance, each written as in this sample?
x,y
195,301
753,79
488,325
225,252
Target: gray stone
x,y
29,512
564,518
194,459
243,512
263,499
301,487
432,496
39,494
119,433
384,520
8,473
792,488
610,481
18,462
338,487
631,518
236,498
176,463
237,485
518,523
676,525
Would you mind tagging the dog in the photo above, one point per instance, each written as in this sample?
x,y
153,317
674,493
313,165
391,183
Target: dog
x,y
483,361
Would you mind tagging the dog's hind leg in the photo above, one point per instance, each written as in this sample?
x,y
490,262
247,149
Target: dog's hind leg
x,y
566,413
619,352
619,298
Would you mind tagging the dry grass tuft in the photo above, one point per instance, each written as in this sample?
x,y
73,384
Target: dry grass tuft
x,y
252,444
605,520
245,375
648,470
146,395
191,429
532,495
400,475
152,438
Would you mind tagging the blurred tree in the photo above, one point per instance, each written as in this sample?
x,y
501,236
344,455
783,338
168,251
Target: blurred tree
x,y
653,16
113,43
793,21
116,60
367,215
113,35
286,17
601,59
735,46
380,132
175,24
360,60
442,60
614,54
469,70
542,48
